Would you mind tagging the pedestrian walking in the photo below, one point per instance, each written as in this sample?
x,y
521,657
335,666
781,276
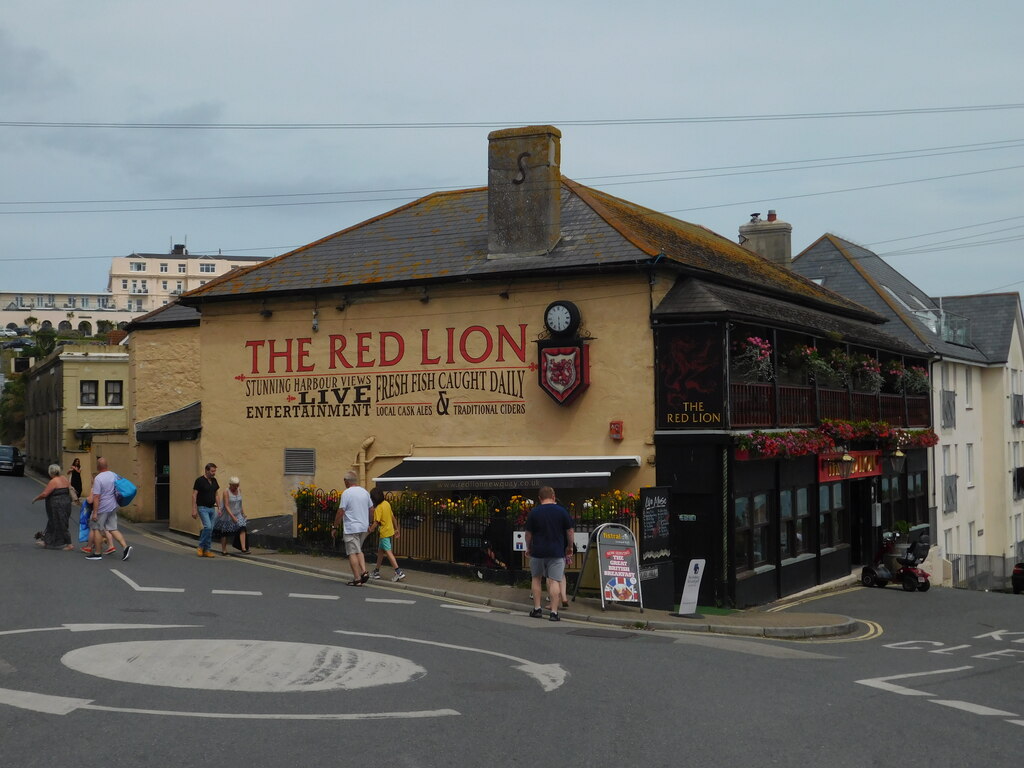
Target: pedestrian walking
x,y
549,536
204,507
57,495
75,478
232,520
354,519
387,532
104,514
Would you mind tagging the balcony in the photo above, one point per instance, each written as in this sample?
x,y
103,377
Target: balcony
x,y
766,405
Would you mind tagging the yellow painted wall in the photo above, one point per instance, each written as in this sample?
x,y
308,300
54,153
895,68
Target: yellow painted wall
x,y
164,370
248,409
100,364
186,466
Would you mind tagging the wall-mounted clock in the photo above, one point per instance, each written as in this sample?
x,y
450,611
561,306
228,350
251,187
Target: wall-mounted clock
x,y
562,318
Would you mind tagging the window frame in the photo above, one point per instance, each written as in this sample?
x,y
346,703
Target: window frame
x,y
84,393
116,390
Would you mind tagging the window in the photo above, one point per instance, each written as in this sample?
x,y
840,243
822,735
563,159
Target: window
x,y
112,393
833,517
179,286
87,391
137,266
300,461
71,301
968,387
85,302
970,464
124,285
163,285
181,269
104,302
163,267
207,267
795,523
752,525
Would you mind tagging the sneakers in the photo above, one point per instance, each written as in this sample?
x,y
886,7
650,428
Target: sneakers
x,y
127,551
109,550
94,557
208,553
536,613
87,550
554,616
399,575
376,574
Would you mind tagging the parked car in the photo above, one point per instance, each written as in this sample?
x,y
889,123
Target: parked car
x,y
1017,578
17,344
11,460
8,332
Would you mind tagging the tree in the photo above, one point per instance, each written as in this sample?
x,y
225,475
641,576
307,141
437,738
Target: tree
x,y
12,411
45,340
31,321
103,326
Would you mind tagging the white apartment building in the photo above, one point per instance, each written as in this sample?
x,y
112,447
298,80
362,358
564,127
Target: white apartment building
x,y
143,282
136,284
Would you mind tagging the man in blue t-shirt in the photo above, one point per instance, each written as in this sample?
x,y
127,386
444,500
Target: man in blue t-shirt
x,y
548,541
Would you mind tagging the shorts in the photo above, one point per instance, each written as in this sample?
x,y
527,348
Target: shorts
x,y
107,521
385,543
552,567
354,542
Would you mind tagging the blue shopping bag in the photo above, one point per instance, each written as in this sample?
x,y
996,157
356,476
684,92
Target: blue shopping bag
x,y
83,521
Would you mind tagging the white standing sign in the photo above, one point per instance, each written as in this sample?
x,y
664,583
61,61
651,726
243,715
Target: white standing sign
x,y
691,588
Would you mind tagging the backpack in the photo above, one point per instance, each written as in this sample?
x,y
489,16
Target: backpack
x,y
124,491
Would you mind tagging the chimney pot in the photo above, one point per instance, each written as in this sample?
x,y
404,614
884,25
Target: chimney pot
x,y
771,215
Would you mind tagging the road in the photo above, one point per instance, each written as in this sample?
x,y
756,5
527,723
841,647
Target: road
x,y
169,659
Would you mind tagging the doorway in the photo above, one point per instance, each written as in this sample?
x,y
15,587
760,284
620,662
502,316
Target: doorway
x,y
162,474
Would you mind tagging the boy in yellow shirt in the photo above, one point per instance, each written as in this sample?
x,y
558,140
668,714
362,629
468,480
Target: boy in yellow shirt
x,y
387,527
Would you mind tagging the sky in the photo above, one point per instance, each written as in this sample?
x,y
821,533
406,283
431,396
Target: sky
x,y
898,126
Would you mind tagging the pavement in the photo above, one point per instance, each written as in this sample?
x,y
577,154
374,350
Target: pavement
x,y
776,620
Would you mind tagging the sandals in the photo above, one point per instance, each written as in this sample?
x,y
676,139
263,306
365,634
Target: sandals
x,y
354,583
364,578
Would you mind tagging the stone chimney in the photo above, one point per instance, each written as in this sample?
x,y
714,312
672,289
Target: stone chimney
x,y
771,238
524,185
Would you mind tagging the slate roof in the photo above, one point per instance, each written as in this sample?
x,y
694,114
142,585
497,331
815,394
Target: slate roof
x,y
992,316
865,277
172,315
696,299
443,237
184,423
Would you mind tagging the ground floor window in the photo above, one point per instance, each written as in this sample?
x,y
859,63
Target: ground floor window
x,y
752,525
794,522
833,515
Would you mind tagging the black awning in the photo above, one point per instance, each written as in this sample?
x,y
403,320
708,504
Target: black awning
x,y
487,473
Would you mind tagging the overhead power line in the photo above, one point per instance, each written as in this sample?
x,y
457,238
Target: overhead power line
x,y
499,124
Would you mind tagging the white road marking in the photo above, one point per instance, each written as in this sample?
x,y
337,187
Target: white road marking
x,y
879,682
62,705
550,676
466,608
312,597
255,666
395,601
974,709
235,592
137,588
95,628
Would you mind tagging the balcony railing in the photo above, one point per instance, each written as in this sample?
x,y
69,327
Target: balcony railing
x,y
763,405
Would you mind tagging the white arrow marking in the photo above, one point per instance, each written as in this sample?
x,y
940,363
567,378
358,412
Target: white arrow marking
x,y
137,588
313,597
550,676
62,705
976,709
95,628
879,682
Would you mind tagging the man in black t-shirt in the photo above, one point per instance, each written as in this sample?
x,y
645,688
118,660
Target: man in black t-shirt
x,y
548,540
204,507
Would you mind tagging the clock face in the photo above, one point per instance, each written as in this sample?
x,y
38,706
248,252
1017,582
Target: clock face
x,y
561,317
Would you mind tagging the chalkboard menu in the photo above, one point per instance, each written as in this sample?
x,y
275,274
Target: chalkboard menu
x,y
655,542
